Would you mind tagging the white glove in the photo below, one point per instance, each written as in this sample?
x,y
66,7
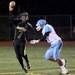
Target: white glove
x,y
34,41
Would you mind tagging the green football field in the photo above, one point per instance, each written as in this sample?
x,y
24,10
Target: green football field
x,y
39,66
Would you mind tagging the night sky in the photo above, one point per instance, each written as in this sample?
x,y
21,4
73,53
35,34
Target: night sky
x,y
42,7
47,7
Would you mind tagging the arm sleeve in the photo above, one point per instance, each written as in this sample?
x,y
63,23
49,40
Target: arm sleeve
x,y
30,27
45,35
46,32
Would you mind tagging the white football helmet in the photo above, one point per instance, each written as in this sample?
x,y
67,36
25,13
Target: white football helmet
x,y
40,24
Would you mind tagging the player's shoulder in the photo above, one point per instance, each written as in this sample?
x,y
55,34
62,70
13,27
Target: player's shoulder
x,y
47,26
20,24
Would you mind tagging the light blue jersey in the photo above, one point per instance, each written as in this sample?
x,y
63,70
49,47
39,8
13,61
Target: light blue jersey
x,y
56,43
53,39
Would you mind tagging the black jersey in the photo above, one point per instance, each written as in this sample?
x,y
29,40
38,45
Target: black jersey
x,y
20,34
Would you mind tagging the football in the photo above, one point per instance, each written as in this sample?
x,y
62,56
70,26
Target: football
x,y
12,3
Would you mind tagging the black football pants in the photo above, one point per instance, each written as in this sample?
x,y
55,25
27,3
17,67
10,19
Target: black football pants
x,y
19,46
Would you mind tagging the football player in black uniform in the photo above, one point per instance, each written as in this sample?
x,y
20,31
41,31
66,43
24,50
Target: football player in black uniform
x,y
21,32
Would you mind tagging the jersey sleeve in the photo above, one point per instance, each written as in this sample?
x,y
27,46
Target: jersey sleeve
x,y
46,30
20,25
30,27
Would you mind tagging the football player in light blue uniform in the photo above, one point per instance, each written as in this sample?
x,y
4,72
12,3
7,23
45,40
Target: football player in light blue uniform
x,y
53,52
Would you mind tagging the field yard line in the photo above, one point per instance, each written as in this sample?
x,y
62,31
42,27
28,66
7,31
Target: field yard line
x,y
10,73
8,61
13,73
71,74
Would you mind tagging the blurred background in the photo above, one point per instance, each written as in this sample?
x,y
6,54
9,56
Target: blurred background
x,y
60,14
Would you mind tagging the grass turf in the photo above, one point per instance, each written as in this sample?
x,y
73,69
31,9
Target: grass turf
x,y
39,66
